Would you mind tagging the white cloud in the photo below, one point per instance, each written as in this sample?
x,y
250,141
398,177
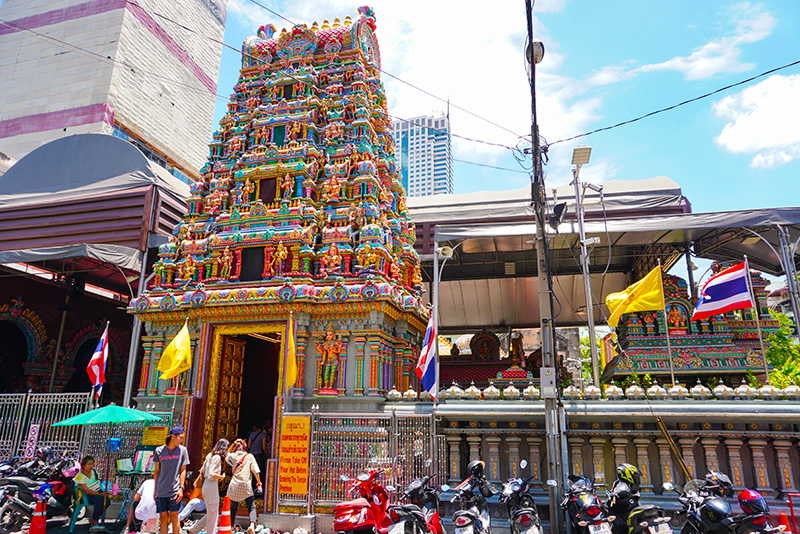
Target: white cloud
x,y
608,75
722,55
446,51
762,120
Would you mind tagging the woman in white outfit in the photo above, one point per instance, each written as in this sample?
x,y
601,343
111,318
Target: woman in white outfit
x,y
212,474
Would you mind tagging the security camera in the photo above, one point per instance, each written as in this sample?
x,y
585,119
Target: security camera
x,y
593,187
445,252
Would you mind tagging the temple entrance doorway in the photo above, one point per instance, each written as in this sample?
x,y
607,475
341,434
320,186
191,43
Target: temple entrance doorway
x,y
13,351
248,383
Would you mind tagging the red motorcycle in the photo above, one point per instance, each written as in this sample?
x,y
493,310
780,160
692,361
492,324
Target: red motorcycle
x,y
366,514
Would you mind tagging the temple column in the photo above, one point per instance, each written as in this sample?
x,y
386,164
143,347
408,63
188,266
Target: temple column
x,y
598,458
454,458
620,450
152,379
576,454
342,369
300,355
474,447
643,461
687,448
373,385
361,372
710,448
147,345
758,447
785,471
665,460
734,447
535,455
513,455
494,457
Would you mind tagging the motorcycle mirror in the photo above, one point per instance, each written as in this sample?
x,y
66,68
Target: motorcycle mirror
x,y
428,462
344,478
391,489
523,464
552,483
445,487
668,486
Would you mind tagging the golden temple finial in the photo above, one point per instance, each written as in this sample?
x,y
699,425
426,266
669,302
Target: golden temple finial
x,y
315,26
347,20
336,22
325,24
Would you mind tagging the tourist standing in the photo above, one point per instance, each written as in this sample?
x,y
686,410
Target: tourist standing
x,y
255,444
212,472
170,460
240,489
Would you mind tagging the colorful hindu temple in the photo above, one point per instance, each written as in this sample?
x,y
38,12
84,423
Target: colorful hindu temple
x,y
300,213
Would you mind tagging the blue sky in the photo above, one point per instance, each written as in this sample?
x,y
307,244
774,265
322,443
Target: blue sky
x,y
605,62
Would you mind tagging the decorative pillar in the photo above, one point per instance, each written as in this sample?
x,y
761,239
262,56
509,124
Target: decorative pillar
x,y
785,471
535,455
643,461
734,447
454,458
147,345
620,445
665,460
710,448
598,458
494,457
474,447
300,353
687,448
373,385
758,447
152,379
513,455
360,370
342,369
576,454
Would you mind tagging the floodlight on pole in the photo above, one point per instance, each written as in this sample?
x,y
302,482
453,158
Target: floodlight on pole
x,y
580,157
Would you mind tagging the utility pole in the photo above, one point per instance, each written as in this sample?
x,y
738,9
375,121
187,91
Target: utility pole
x,y
553,418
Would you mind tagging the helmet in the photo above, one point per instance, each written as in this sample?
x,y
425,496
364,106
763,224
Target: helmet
x,y
752,502
475,468
628,473
718,483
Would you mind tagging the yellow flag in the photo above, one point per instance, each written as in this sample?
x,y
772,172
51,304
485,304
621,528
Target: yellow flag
x,y
177,357
290,372
645,295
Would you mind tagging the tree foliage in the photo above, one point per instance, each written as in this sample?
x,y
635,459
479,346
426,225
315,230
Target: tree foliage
x,y
783,354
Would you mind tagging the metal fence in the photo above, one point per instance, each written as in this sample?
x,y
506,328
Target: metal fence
x,y
348,444
33,414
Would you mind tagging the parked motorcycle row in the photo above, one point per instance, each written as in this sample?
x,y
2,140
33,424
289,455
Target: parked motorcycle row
x,y
48,477
703,505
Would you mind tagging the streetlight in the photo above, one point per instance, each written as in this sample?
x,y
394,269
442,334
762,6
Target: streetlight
x,y
580,157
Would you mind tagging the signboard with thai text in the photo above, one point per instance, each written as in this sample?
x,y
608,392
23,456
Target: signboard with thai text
x,y
293,458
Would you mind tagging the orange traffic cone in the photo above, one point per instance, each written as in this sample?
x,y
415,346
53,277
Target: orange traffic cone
x,y
784,522
224,517
39,521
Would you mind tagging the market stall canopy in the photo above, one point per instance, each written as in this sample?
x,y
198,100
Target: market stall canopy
x,y
492,279
108,414
88,204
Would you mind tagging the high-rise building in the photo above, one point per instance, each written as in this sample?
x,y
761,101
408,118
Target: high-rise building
x,y
120,67
426,159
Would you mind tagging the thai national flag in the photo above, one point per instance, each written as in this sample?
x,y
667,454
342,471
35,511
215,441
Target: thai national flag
x,y
727,291
426,365
97,365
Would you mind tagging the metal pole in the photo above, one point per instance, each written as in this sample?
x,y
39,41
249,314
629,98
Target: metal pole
x,y
666,329
545,299
756,313
690,275
435,339
136,333
64,311
587,279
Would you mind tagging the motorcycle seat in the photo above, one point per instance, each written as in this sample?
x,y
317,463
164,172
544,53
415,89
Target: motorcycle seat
x,y
20,481
361,502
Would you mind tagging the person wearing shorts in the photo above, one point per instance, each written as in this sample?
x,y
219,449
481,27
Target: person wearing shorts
x,y
170,460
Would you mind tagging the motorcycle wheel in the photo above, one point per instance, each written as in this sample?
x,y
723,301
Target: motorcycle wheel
x,y
10,520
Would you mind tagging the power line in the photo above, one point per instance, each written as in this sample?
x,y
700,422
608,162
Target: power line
x,y
489,166
668,108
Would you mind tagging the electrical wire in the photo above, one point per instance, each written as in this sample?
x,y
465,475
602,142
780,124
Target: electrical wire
x,y
689,101
489,166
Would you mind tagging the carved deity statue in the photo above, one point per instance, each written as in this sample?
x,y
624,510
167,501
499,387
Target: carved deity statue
x,y
332,260
287,184
188,270
329,350
247,189
676,319
225,262
277,259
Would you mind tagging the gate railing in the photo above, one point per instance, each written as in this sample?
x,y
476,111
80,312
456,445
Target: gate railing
x,y
20,411
349,443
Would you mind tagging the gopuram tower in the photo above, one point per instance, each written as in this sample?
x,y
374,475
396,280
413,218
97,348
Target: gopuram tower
x,y
300,211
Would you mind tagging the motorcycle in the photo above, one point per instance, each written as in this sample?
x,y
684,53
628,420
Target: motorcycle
x,y
473,518
422,515
649,519
755,517
704,504
584,508
522,513
366,514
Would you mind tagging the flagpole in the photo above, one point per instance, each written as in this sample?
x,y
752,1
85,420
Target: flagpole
x,y
756,313
666,329
177,380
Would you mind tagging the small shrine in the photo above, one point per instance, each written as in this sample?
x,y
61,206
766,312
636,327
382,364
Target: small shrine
x,y
300,211
725,346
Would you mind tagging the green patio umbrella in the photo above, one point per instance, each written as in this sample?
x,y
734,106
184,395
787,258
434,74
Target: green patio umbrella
x,y
109,415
